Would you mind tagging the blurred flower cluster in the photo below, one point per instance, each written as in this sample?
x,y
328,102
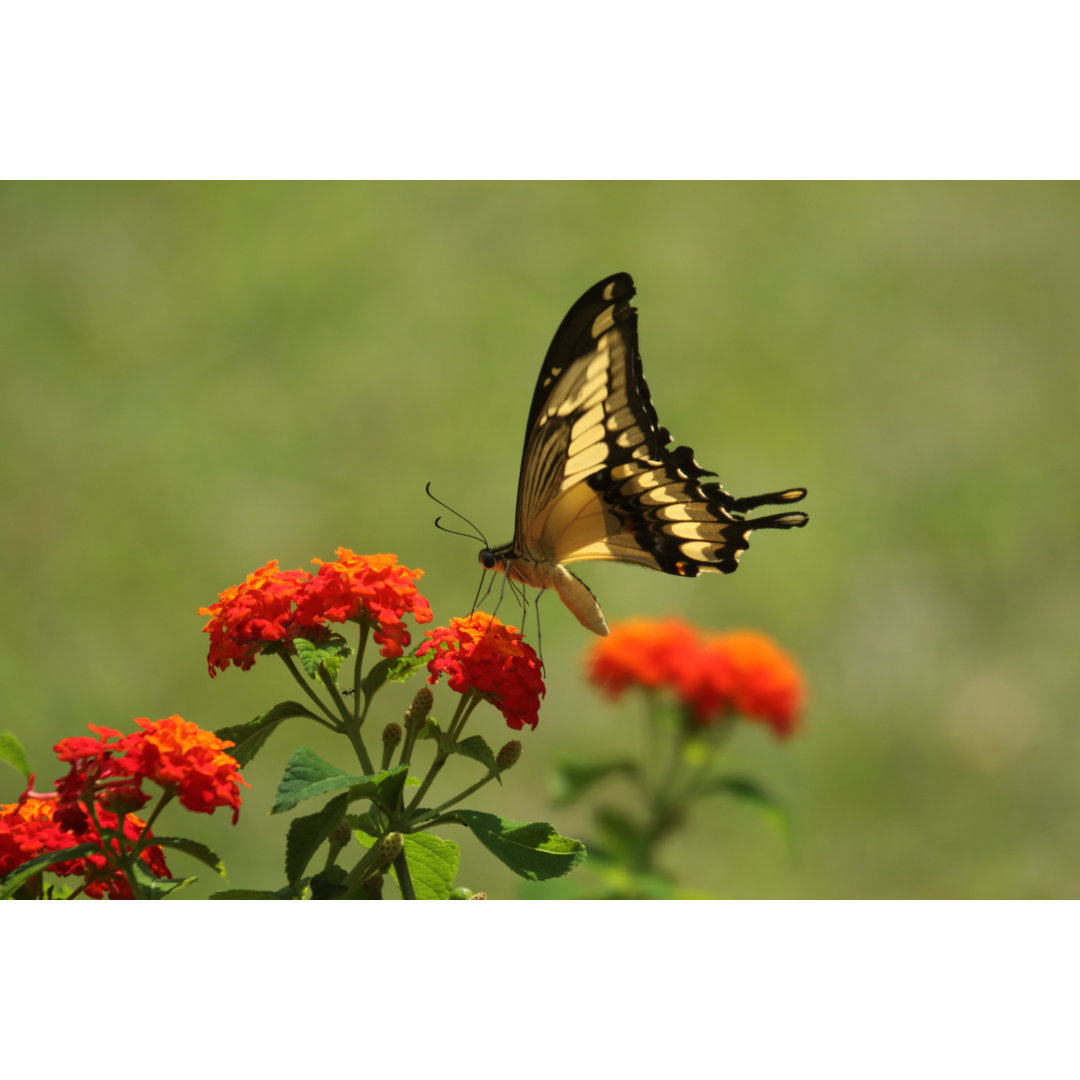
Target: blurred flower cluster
x,y
713,677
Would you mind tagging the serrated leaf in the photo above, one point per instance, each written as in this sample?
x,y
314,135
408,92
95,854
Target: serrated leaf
x,y
193,848
571,779
532,849
307,775
433,864
329,652
250,737
306,835
11,751
392,669
253,894
476,747
41,862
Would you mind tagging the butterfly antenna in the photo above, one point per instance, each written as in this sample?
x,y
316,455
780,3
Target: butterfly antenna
x,y
476,534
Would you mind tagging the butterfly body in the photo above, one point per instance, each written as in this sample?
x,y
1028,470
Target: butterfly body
x,y
598,480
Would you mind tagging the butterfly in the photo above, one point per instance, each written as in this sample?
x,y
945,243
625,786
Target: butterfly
x,y
598,480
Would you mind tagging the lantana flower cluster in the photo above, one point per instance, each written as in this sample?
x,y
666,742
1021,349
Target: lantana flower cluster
x,y
273,607
714,677
491,658
95,800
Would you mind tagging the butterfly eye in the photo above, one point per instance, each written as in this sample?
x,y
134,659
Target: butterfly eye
x,y
487,559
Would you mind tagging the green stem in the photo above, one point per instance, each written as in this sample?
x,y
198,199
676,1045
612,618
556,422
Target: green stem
x,y
452,802
468,702
334,725
364,869
401,864
357,741
331,688
365,629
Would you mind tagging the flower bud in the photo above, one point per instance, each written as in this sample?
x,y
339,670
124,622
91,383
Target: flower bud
x,y
389,847
460,893
478,896
341,833
391,735
508,756
420,706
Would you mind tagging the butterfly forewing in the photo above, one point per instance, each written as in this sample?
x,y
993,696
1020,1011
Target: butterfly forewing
x,y
598,480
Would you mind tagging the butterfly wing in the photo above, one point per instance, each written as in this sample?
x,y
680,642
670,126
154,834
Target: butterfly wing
x,y
598,480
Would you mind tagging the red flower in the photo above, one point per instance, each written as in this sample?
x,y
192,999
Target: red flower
x,y
248,617
713,678
41,823
375,587
481,654
179,755
27,828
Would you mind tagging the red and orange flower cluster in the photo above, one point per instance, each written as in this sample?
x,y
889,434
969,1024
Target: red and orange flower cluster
x,y
713,676
274,607
480,653
93,803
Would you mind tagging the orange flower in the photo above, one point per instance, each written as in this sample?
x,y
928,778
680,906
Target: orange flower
x,y
641,652
178,755
181,756
272,606
712,678
364,586
481,654
760,679
248,617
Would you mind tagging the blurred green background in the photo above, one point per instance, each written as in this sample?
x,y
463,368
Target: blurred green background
x,y
201,377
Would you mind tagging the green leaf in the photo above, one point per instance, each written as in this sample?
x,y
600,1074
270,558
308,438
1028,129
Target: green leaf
x,y
571,779
250,737
36,865
254,894
433,863
307,776
157,888
476,747
395,669
746,790
11,751
329,652
533,850
193,848
307,834
328,884
621,836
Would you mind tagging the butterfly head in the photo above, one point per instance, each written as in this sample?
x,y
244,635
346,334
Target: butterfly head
x,y
497,558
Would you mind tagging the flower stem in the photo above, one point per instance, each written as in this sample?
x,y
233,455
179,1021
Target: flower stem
x,y
401,864
456,799
334,725
365,629
466,705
